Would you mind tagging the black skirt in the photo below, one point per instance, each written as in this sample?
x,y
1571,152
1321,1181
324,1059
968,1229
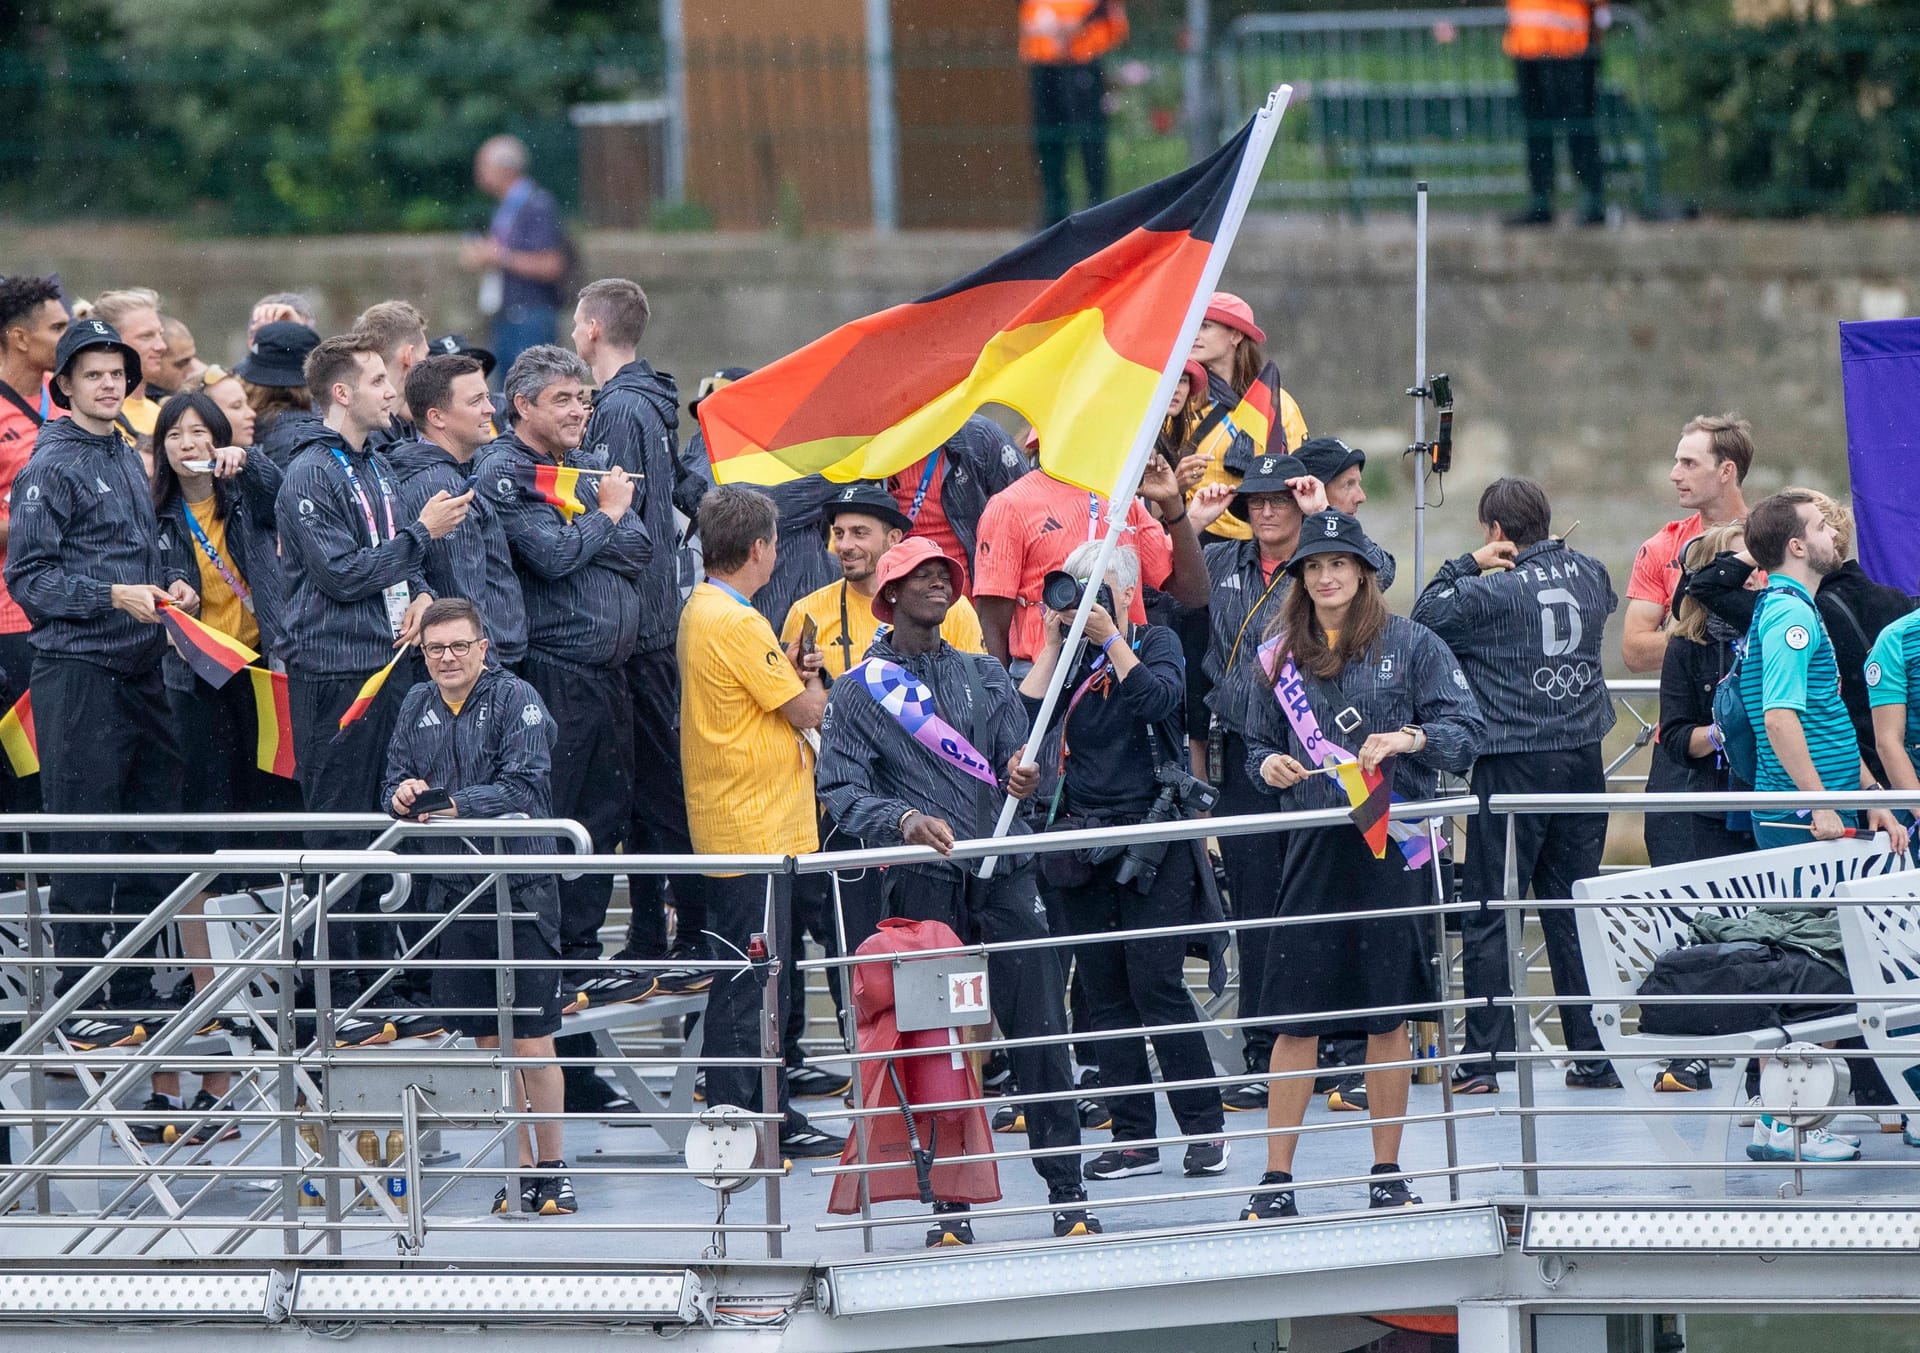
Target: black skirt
x,y
1356,962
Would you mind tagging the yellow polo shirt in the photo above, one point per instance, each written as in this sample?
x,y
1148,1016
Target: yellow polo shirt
x,y
961,628
1214,448
749,776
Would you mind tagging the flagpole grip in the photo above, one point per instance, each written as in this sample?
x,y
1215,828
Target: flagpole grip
x,y
1259,142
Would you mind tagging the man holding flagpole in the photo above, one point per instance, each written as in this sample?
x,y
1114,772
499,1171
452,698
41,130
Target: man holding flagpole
x,y
86,563
918,742
354,572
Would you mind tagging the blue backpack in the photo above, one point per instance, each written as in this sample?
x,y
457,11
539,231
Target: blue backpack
x,y
1740,732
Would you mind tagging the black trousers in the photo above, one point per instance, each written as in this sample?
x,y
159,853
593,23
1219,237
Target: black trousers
x,y
1253,890
344,777
592,784
1069,111
659,821
736,912
1669,836
1559,94
1140,982
1024,989
106,746
1554,850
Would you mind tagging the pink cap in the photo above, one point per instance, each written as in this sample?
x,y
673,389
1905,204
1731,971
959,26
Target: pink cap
x,y
903,559
1228,309
1196,377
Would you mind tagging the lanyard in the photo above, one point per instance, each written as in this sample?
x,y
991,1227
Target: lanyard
x,y
1234,652
508,212
1093,515
920,494
729,591
366,503
227,573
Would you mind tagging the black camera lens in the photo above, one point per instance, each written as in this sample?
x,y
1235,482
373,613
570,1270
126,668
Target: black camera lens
x,y
1061,591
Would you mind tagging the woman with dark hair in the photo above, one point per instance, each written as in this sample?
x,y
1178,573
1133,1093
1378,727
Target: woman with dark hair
x,y
214,502
1217,450
1349,681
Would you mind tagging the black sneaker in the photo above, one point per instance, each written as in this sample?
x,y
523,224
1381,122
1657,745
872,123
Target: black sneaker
x,y
174,998
554,1197
618,987
418,1023
1122,1163
529,1195
89,1033
1205,1158
1349,1096
699,1087
1391,1193
157,1133
1273,1201
1592,1076
688,978
360,1031
803,1139
204,1103
950,1228
1683,1076
809,1082
997,1078
1012,1118
1094,1114
1248,1098
1073,1219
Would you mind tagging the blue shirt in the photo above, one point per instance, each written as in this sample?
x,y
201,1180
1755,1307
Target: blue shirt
x,y
1892,665
1796,670
528,221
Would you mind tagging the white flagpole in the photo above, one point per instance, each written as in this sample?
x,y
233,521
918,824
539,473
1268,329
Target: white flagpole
x,y
1266,125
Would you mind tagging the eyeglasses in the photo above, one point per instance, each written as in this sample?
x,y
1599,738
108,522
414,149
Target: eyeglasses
x,y
459,648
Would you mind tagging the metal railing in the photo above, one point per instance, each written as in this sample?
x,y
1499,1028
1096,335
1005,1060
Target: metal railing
x,y
1390,96
302,1103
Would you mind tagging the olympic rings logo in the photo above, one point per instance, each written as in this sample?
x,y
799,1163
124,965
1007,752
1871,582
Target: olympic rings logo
x,y
1557,683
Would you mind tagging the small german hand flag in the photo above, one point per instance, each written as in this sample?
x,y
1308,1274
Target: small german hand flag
x,y
555,484
1254,414
213,656
1370,797
16,736
273,713
363,701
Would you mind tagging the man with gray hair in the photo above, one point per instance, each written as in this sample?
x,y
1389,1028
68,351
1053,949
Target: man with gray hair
x,y
524,256
581,551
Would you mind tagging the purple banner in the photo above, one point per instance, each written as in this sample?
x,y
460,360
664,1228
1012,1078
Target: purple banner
x,y
1880,375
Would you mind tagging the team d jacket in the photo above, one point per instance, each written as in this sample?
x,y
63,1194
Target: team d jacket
x,y
1528,639
474,560
336,577
495,757
83,520
248,503
581,577
635,425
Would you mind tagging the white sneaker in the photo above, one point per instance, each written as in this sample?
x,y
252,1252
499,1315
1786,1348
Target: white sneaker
x,y
1773,1141
1752,1113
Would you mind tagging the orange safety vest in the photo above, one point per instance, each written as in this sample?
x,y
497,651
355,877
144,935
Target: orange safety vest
x,y
1539,29
1070,32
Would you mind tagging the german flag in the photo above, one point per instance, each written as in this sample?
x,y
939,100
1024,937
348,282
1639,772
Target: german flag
x,y
213,656
1072,331
273,716
17,737
555,484
1371,799
364,700
1254,414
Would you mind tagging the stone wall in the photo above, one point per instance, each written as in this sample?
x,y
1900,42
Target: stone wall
x,y
1576,355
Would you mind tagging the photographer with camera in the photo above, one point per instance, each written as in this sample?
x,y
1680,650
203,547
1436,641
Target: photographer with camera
x,y
1118,757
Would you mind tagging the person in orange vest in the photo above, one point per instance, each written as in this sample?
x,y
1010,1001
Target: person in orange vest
x,y
1556,60
1061,42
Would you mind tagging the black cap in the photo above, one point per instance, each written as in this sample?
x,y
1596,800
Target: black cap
x,y
1333,532
456,345
1269,474
1327,458
81,335
278,355
869,500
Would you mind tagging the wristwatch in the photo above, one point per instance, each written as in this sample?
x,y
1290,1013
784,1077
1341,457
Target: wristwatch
x,y
1418,734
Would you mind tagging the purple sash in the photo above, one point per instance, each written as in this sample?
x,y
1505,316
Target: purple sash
x,y
906,697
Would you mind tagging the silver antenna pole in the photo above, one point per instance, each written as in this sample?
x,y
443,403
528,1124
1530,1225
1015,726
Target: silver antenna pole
x,y
1419,383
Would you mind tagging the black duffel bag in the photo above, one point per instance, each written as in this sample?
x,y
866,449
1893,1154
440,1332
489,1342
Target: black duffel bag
x,y
1745,967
